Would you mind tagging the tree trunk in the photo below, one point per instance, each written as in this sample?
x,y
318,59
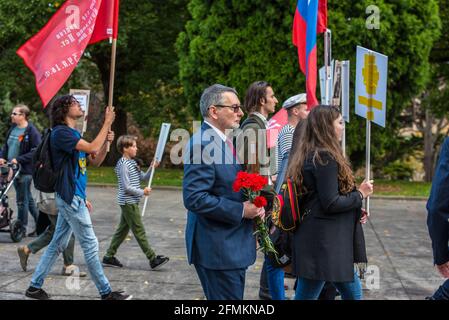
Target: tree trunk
x,y
429,142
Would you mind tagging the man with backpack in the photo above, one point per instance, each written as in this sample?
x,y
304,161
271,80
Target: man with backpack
x,y
69,155
260,101
21,141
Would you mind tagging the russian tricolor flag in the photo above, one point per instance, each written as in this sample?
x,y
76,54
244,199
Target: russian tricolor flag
x,y
310,19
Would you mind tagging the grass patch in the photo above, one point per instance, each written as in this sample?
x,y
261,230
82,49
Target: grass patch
x,y
173,177
402,188
162,177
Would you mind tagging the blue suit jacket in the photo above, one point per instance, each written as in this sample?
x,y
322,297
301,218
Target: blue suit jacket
x,y
217,237
438,208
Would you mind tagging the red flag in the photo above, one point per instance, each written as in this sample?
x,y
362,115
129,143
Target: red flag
x,y
53,53
310,18
107,21
275,125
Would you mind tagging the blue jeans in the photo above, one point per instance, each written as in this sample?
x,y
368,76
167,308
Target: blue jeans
x,y
443,292
73,217
307,289
275,281
24,199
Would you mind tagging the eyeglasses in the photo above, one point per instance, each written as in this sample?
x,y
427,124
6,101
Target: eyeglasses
x,y
235,107
16,114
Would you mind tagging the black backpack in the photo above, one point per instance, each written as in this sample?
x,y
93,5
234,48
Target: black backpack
x,y
44,177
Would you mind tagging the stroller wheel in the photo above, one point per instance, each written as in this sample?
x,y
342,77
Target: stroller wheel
x,y
16,231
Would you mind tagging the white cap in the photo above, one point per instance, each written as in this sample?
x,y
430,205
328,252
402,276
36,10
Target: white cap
x,y
295,100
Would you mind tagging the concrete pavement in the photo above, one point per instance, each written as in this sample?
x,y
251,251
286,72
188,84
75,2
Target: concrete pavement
x,y
399,254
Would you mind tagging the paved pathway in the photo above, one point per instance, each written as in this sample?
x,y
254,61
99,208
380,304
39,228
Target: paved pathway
x,y
399,252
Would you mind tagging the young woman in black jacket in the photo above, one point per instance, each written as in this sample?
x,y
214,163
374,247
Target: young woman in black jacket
x,y
329,242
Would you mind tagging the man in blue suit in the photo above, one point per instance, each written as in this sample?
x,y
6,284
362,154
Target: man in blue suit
x,y
219,232
438,220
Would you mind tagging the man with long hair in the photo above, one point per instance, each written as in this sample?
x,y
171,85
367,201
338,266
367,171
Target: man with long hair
x,y
69,153
259,103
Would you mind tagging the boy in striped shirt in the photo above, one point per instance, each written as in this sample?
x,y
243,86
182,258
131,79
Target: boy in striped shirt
x,y
128,197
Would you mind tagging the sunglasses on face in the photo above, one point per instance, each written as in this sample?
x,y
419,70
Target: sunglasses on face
x,y
15,114
235,107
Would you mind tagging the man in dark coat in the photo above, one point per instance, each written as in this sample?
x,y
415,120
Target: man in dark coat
x,y
21,141
219,233
438,220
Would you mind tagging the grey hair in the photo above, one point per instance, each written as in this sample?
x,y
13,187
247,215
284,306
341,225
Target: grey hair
x,y
213,95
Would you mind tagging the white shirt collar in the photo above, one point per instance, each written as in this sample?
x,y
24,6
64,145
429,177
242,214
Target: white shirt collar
x,y
219,132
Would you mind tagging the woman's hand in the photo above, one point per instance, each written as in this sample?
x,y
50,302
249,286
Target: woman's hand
x,y
365,215
443,269
366,188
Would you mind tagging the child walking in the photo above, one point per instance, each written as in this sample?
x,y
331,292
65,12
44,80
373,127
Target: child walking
x,y
129,195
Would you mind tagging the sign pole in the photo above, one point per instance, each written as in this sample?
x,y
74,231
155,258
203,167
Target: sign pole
x,y
369,116
111,83
368,158
163,136
149,186
327,64
345,99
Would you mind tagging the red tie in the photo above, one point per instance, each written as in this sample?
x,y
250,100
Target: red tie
x,y
231,146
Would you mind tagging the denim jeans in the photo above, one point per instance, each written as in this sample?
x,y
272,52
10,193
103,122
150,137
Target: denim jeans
x,y
307,289
275,281
73,217
443,292
24,199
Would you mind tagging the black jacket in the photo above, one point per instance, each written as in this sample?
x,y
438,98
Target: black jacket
x,y
31,139
324,242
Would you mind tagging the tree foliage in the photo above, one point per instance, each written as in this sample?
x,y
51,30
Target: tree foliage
x,y
146,82
238,42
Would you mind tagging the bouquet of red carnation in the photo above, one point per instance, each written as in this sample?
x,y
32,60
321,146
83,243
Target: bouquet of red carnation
x,y
251,184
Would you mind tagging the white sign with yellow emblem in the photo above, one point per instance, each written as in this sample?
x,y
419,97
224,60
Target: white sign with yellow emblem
x,y
371,85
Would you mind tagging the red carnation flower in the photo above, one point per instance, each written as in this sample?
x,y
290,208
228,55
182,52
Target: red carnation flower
x,y
260,201
258,182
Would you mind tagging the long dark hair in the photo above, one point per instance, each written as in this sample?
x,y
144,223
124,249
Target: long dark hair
x,y
256,93
60,109
314,135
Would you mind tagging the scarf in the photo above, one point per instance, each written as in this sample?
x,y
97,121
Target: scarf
x,y
360,259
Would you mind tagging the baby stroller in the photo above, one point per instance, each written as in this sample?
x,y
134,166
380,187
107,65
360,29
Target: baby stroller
x,y
8,172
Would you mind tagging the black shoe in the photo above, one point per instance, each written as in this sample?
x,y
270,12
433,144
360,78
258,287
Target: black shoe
x,y
32,234
112,262
37,294
264,294
158,262
116,295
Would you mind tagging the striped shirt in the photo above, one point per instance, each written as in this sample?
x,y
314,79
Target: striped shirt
x,y
285,139
129,177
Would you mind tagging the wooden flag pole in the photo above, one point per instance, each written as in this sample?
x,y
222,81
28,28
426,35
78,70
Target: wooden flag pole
x,y
111,83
